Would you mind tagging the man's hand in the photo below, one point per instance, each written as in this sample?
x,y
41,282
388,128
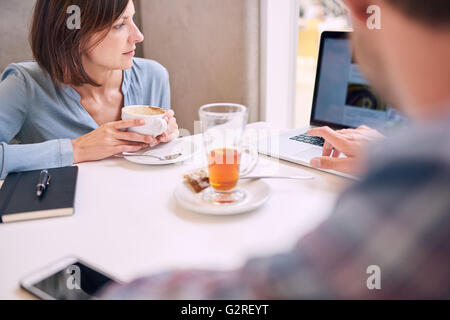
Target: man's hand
x,y
349,142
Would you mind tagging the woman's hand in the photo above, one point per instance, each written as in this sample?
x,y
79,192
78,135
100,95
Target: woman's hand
x,y
350,142
109,140
172,128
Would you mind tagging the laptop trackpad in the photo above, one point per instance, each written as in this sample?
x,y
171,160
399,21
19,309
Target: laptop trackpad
x,y
309,153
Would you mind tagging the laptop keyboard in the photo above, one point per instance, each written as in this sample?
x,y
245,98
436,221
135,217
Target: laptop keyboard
x,y
317,141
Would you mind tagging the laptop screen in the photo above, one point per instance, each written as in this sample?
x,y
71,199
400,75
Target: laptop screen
x,y
342,96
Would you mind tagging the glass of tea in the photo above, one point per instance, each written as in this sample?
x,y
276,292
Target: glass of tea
x,y
223,126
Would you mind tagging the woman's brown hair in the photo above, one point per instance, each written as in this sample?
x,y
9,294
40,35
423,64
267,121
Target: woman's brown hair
x,y
57,48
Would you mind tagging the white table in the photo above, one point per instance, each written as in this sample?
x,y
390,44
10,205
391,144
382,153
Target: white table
x,y
128,224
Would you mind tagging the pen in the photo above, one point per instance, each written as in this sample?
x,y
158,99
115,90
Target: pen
x,y
43,182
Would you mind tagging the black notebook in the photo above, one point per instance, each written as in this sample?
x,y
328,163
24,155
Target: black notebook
x,y
19,202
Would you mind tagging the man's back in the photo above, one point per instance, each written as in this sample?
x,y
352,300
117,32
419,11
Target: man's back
x,y
397,218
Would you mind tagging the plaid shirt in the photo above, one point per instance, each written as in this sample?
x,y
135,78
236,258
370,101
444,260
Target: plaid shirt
x,y
397,219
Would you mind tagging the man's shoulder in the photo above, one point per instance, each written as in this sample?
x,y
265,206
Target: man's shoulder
x,y
402,176
419,143
404,168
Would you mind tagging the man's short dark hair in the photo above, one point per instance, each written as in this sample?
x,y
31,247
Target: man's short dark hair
x,y
432,12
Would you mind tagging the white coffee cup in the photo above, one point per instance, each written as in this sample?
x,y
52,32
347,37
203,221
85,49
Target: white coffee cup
x,y
155,124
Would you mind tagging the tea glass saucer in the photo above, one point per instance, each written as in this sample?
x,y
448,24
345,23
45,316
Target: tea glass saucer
x,y
257,192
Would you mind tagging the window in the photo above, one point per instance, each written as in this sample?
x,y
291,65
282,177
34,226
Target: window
x,y
315,16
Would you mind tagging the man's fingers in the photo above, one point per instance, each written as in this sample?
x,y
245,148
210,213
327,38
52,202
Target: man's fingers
x,y
346,165
327,149
336,153
331,136
125,124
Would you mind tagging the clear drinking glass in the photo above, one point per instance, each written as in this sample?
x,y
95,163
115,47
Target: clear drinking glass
x,y
223,126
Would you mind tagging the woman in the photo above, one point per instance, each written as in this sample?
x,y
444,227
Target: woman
x,y
65,107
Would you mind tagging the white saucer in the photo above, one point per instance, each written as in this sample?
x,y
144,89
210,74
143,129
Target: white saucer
x,y
186,147
257,193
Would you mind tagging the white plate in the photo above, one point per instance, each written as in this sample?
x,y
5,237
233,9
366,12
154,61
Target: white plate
x,y
257,193
186,147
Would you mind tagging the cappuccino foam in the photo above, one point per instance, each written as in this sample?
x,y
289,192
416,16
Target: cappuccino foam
x,y
145,111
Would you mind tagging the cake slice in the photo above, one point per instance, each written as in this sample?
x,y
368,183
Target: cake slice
x,y
197,179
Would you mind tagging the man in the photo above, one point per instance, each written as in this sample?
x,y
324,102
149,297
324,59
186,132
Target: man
x,y
351,142
396,221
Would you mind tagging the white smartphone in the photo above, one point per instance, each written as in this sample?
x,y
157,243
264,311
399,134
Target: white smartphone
x,y
67,279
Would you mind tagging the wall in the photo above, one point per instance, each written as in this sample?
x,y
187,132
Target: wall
x,y
15,17
211,49
279,29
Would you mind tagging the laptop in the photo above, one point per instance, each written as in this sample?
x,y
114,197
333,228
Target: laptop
x,y
342,99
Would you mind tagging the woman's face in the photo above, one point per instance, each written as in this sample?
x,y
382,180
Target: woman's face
x,y
116,51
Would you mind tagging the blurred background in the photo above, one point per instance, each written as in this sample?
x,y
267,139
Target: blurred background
x,y
315,16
